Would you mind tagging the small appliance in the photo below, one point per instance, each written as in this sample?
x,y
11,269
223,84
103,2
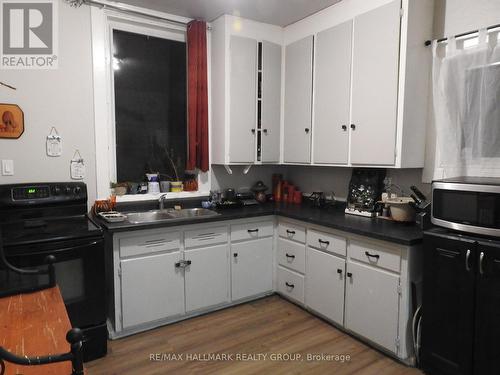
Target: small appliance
x,y
467,204
365,190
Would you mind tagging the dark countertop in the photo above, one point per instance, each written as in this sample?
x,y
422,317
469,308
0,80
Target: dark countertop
x,y
333,217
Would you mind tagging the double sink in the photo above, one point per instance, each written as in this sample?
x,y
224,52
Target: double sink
x,y
169,215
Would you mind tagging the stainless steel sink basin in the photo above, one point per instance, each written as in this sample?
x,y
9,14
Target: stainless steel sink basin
x,y
148,217
190,213
168,215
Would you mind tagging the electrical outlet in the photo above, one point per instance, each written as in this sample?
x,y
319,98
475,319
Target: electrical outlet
x,y
7,167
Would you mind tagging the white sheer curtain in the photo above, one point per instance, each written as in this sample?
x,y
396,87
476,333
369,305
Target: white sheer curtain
x,y
466,98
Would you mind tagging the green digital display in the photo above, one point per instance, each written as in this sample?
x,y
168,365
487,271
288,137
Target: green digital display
x,y
31,191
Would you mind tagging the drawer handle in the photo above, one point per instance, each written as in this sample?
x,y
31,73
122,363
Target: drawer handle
x,y
339,271
290,256
376,256
292,232
289,285
252,230
323,242
349,274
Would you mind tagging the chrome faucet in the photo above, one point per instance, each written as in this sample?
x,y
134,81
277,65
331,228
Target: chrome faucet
x,y
161,201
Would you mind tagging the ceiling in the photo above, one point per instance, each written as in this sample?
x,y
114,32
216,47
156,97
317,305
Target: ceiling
x,y
276,12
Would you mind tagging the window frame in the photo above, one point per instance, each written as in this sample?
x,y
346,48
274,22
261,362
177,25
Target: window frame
x,y
104,21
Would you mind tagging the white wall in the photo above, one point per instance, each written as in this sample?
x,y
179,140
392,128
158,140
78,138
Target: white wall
x,y
453,17
62,98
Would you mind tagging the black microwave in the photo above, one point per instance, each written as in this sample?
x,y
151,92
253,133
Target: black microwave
x,y
467,204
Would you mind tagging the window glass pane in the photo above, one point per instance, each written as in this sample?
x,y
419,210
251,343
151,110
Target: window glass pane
x,y
150,105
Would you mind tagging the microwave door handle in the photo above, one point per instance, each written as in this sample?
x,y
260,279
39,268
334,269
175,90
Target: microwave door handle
x,y
467,264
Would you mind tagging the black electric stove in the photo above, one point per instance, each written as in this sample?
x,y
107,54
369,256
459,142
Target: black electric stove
x,y
41,219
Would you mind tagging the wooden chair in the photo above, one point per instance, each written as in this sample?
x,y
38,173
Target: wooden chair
x,y
74,336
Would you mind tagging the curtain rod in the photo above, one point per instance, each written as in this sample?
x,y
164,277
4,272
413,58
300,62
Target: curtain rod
x,y
122,8
441,40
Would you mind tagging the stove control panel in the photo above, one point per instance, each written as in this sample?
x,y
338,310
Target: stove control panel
x,y
44,192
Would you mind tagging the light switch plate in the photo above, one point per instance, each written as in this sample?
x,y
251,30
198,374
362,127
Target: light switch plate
x,y
7,167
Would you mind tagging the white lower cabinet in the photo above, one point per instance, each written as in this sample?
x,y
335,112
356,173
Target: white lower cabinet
x,y
291,284
324,291
206,277
251,268
372,304
152,288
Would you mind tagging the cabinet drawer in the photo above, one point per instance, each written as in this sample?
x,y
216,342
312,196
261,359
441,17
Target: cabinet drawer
x,y
292,255
250,231
292,232
376,256
327,242
291,284
205,236
149,243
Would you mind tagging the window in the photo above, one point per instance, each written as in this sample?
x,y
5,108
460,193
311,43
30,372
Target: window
x,y
149,76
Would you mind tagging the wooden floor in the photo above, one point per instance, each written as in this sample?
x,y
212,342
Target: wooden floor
x,y
268,327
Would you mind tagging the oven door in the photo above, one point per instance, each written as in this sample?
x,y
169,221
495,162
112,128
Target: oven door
x,y
466,207
79,274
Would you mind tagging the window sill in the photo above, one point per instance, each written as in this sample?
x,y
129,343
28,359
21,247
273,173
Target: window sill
x,y
169,196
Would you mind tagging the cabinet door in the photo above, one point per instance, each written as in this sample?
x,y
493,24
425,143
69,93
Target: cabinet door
x,y
487,332
448,306
251,268
375,85
298,96
325,284
271,101
372,304
332,87
243,98
152,288
207,277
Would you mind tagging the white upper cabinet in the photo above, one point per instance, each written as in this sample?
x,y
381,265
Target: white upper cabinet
x,y
371,75
245,91
354,91
298,101
271,101
243,78
375,85
332,87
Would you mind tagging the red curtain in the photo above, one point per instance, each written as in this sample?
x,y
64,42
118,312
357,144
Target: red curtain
x,y
197,96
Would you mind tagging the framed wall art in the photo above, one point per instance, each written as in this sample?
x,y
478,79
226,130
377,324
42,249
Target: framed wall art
x,y
11,121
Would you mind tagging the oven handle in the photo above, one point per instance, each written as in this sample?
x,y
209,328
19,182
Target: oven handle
x,y
49,260
55,251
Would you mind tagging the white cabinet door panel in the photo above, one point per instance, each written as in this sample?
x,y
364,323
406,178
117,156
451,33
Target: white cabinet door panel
x,y
207,277
243,97
271,101
251,268
332,86
298,97
324,291
372,304
375,85
152,288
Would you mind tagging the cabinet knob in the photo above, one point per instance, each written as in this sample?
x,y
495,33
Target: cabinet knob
x,y
265,131
353,126
344,127
339,271
349,274
307,130
235,255
253,131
